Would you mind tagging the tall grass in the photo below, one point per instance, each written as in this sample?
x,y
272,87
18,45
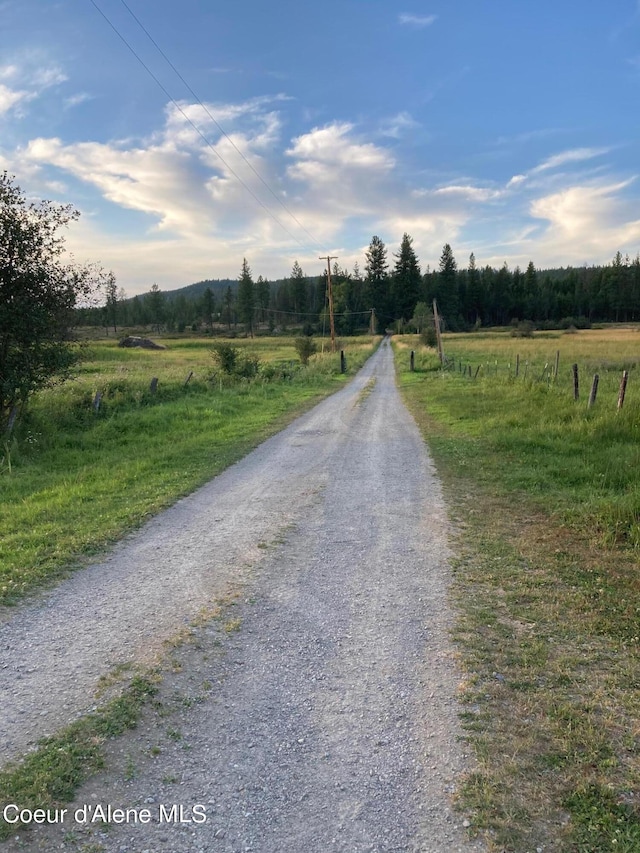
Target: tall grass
x,y
73,479
545,495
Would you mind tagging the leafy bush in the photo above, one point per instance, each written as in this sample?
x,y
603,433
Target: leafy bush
x,y
524,329
226,357
305,347
428,336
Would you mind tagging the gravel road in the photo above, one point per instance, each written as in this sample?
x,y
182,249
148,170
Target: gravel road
x,y
328,716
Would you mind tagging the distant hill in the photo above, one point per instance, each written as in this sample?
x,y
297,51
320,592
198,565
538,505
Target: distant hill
x,y
191,291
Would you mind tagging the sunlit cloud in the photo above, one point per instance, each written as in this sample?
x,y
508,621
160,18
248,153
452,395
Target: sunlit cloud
x,y
575,155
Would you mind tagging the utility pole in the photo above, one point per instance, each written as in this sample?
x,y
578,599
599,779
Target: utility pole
x,y
328,259
436,320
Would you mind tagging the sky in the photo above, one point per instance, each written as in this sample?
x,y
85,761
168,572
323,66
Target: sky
x,y
193,134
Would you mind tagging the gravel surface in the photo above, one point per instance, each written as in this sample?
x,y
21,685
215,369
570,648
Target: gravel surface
x,y
319,714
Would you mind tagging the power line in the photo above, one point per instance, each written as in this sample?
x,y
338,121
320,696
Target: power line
x,y
194,126
217,123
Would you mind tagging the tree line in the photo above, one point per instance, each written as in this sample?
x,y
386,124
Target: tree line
x,y
390,294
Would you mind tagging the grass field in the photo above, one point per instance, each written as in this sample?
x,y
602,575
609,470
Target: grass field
x,y
545,496
73,479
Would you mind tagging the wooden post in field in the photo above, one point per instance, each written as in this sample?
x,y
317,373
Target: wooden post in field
x,y
517,364
594,389
154,385
623,388
412,361
188,379
436,320
475,375
557,365
576,389
343,362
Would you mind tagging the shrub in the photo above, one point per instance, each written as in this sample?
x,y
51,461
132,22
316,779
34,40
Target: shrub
x,y
305,347
226,357
524,329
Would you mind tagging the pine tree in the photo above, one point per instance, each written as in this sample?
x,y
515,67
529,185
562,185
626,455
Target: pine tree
x,y
263,296
298,288
377,274
406,280
246,298
208,306
446,288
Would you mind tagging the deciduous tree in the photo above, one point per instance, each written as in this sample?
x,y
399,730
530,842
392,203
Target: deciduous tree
x,y
39,292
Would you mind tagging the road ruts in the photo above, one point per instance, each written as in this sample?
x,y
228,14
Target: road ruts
x,y
333,722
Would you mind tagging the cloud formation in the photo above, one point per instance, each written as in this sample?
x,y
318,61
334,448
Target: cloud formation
x,y
209,198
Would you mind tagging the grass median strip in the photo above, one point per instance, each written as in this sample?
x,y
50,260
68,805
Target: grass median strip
x,y
547,589
49,777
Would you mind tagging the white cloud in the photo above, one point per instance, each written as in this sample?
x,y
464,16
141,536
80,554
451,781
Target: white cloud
x,y
397,126
575,155
470,193
417,20
10,97
330,150
76,100
31,78
586,221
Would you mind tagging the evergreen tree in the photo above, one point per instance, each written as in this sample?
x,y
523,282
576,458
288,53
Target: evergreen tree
x,y
298,290
263,296
406,280
376,288
208,307
228,312
246,298
446,288
155,306
473,300
530,293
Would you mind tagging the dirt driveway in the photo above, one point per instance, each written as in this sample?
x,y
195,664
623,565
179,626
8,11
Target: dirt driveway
x,y
322,716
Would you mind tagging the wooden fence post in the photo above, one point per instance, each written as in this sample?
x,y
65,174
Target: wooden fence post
x,y
154,385
343,362
412,361
517,365
594,390
557,364
188,379
576,390
623,388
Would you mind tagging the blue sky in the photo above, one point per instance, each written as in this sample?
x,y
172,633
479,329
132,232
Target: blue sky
x,y
281,131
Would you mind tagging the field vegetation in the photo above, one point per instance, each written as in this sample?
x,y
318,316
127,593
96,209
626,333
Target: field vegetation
x,y
74,478
545,496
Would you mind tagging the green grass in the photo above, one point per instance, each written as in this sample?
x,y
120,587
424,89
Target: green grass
x,y
545,498
50,776
73,480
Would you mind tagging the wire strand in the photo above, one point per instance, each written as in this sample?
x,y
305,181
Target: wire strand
x,y
218,125
194,126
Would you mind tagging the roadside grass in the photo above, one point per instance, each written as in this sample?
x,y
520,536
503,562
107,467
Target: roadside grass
x,y
73,480
545,500
50,776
